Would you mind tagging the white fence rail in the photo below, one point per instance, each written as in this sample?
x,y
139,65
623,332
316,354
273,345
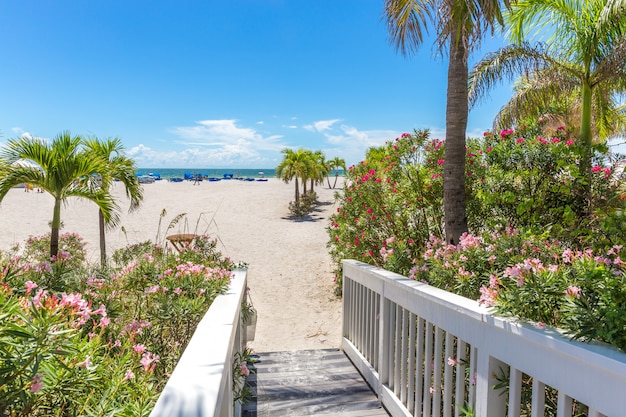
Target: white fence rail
x,y
201,384
428,352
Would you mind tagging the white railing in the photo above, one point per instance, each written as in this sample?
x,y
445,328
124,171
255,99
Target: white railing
x,y
427,352
202,382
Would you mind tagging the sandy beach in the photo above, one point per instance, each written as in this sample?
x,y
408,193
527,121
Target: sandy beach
x,y
290,272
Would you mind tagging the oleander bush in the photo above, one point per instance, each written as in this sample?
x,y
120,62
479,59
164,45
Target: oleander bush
x,y
105,343
545,238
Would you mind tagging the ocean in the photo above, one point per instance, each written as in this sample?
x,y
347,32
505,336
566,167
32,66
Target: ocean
x,y
167,173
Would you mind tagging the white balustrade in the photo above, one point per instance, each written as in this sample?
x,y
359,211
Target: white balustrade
x,y
201,385
427,352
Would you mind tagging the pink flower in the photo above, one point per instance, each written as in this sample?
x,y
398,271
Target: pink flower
x,y
572,291
139,348
87,364
596,168
431,390
148,361
177,290
36,383
105,321
440,162
128,375
30,285
452,362
244,369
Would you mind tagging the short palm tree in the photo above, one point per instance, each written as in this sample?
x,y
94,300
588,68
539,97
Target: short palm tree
x,y
121,168
294,166
65,170
460,25
586,52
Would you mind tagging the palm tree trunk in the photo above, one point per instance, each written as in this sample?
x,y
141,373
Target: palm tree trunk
x,y
455,218
336,177
297,192
103,245
585,140
54,232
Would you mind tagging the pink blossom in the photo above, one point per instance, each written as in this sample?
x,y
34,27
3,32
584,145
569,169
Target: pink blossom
x,y
87,364
540,325
569,142
148,361
102,310
139,348
30,285
596,168
452,362
36,383
244,369
105,321
177,290
572,291
431,390
128,375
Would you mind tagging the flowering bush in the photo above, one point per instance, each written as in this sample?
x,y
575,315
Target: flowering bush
x,y
536,279
390,215
107,343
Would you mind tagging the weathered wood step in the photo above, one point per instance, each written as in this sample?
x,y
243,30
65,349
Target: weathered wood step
x,y
310,383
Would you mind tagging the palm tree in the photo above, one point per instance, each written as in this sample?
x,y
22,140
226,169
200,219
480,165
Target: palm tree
x,y
536,96
335,164
65,170
294,166
585,52
118,167
317,168
460,25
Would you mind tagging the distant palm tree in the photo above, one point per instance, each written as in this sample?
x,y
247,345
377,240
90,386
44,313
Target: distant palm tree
x,y
121,168
335,164
65,170
317,168
585,52
460,25
294,166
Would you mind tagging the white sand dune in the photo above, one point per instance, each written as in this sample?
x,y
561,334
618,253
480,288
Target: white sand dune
x,y
290,272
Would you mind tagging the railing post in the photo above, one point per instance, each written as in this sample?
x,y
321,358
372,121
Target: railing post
x,y
489,402
383,346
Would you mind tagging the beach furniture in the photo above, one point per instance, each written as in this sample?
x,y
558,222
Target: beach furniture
x,y
181,241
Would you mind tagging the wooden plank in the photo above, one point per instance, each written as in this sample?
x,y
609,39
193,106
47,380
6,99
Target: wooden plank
x,y
309,383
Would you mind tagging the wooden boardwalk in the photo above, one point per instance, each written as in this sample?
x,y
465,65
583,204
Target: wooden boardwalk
x,y
310,383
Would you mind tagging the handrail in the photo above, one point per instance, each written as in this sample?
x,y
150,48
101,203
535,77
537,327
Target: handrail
x,y
429,352
201,384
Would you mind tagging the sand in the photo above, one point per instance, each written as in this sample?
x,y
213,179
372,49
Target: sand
x,y
290,271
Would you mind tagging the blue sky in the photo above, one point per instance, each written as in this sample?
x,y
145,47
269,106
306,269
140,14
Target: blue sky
x,y
219,84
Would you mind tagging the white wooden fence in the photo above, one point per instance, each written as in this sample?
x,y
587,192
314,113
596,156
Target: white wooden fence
x,y
202,382
428,352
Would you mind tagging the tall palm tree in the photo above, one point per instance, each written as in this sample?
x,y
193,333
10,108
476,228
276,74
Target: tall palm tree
x,y
335,164
294,166
118,167
460,25
585,51
65,170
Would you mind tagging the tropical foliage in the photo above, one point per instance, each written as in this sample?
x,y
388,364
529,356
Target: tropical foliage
x,y
460,24
120,168
519,195
584,52
304,166
64,169
106,343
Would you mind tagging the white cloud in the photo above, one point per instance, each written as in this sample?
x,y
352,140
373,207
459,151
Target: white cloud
x,y
213,143
322,125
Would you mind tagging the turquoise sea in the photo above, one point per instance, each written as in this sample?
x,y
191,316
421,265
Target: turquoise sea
x,y
167,173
